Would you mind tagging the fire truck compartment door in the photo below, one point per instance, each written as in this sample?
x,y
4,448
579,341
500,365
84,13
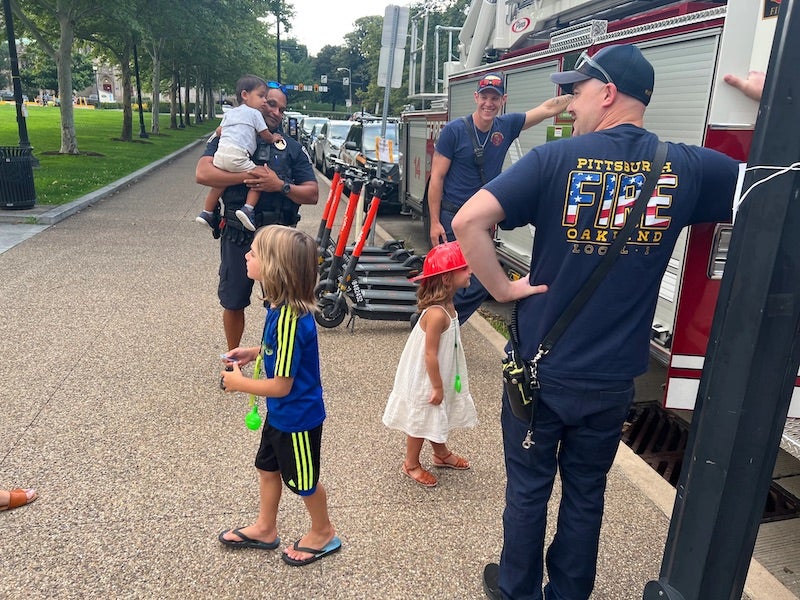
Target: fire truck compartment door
x,y
526,87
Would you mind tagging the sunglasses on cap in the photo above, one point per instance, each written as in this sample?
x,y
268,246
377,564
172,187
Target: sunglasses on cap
x,y
585,59
277,86
491,81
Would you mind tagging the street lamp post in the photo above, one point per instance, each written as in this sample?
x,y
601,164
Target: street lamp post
x,y
349,85
96,84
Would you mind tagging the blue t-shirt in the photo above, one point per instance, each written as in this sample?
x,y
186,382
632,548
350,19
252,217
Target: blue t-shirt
x,y
290,349
577,193
463,178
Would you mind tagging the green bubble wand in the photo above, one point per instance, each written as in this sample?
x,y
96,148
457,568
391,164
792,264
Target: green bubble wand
x,y
253,420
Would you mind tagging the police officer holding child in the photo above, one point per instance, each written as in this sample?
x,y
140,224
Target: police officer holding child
x,y
288,184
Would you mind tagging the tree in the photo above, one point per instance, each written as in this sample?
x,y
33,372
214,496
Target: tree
x,y
113,34
48,22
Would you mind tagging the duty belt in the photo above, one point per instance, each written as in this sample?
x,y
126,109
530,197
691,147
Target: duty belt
x,y
269,217
449,206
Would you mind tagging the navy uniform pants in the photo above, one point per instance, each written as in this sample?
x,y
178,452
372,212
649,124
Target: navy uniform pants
x,y
577,431
467,300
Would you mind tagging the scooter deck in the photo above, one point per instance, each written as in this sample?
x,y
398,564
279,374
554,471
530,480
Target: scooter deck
x,y
375,258
384,268
389,296
386,283
384,312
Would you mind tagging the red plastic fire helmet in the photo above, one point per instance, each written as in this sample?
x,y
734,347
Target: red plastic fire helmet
x,y
442,259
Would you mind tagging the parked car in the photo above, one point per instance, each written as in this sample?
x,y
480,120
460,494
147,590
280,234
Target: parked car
x,y
329,140
8,96
292,117
307,126
360,149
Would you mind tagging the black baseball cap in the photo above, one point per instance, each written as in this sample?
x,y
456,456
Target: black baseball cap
x,y
622,64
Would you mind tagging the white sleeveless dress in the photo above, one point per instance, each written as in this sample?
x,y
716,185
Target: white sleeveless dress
x,y
408,409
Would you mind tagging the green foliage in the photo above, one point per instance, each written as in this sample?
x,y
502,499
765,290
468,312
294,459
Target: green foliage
x,y
104,158
209,44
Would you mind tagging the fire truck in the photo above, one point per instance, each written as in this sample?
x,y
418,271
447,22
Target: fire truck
x,y
691,46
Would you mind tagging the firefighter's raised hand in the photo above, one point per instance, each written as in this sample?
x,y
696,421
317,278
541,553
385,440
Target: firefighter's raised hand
x,y
557,105
752,86
546,110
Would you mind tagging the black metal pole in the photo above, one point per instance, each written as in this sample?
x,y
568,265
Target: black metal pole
x,y
278,44
751,362
22,126
142,132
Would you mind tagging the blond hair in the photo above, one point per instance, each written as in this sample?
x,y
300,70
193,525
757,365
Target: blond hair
x,y
436,289
288,260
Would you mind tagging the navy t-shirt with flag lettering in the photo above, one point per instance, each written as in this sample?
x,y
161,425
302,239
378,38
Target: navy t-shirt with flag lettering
x,y
577,192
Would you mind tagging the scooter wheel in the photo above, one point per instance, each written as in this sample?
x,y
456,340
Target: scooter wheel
x,y
414,262
329,314
393,245
401,254
324,286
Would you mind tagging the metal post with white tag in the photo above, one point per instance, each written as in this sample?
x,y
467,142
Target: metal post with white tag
x,y
390,67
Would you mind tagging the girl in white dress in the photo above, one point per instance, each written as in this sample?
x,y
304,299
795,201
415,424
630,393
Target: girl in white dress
x,y
431,393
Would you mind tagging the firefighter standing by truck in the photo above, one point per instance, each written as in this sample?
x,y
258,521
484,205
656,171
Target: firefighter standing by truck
x,y
583,184
470,152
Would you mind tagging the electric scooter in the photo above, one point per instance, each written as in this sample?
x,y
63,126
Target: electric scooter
x,y
387,270
326,246
372,303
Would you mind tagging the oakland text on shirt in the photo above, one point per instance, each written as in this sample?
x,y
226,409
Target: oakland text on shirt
x,y
599,195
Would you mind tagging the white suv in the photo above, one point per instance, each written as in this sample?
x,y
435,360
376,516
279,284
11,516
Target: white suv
x,y
329,140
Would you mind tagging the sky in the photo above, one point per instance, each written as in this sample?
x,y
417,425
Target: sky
x,y
319,23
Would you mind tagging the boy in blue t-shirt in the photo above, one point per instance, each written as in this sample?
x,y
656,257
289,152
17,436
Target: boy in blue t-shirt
x,y
284,260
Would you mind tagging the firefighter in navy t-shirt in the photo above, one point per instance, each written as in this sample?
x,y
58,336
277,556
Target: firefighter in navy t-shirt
x,y
455,174
577,193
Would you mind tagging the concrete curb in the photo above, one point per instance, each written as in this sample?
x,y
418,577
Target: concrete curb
x,y
62,211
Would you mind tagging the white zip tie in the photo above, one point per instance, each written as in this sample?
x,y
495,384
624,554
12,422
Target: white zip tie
x,y
778,171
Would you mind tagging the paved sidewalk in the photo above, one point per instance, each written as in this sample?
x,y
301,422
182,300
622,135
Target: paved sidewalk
x,y
111,333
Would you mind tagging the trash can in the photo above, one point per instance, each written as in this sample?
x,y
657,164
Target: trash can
x,y
16,178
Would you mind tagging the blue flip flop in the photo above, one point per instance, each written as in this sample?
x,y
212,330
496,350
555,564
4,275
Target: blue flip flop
x,y
247,542
333,546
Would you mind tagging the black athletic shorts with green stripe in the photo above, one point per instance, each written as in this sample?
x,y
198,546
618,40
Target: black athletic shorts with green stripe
x,y
295,455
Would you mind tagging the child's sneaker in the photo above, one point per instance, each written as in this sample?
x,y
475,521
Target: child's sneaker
x,y
246,215
212,220
207,218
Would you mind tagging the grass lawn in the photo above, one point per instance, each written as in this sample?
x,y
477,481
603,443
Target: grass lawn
x,y
102,159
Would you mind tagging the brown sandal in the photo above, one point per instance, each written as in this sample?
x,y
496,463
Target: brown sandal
x,y
458,462
425,478
19,497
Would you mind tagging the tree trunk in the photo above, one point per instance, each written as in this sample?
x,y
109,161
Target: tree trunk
x,y
173,102
155,55
198,117
187,111
63,58
127,110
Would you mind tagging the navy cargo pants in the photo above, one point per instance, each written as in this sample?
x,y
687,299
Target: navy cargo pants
x,y
577,430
